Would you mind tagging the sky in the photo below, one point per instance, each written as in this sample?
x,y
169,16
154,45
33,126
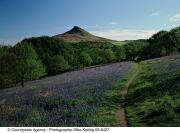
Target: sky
x,y
113,19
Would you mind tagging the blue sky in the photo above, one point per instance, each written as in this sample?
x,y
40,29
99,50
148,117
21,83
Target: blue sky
x,y
114,19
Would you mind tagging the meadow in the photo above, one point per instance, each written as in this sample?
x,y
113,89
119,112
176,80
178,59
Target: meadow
x,y
55,92
154,97
86,97
120,43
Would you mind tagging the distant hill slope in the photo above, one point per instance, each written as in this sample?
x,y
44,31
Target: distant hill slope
x,y
77,34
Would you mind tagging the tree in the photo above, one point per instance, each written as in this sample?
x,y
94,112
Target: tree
x,y
120,53
175,38
96,55
165,43
109,55
58,65
85,59
28,65
7,65
48,47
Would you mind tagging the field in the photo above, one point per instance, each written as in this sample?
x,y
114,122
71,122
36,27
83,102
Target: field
x,y
91,96
86,97
120,43
154,98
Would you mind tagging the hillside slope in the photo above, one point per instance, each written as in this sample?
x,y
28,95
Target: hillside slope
x,y
154,97
70,99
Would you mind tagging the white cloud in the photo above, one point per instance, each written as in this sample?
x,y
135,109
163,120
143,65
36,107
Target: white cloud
x,y
126,34
113,23
154,14
175,18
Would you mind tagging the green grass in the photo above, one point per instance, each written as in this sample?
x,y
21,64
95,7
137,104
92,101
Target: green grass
x,y
154,97
106,114
119,43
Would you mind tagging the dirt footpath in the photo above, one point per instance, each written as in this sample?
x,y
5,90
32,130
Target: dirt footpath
x,y
120,114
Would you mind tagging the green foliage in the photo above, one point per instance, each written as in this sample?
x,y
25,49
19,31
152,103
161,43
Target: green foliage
x,y
58,64
28,66
85,59
95,54
109,55
33,55
119,53
75,54
58,56
7,65
48,47
134,49
175,38
162,43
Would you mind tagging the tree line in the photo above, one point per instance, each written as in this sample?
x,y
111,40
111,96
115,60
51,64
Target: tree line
x,y
162,43
34,58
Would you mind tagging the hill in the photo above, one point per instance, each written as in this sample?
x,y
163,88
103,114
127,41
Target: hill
x,y
77,34
154,97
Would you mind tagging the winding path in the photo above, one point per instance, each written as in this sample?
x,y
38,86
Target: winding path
x,y
120,114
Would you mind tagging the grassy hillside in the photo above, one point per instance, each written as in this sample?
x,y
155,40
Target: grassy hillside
x,y
119,43
154,97
86,97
